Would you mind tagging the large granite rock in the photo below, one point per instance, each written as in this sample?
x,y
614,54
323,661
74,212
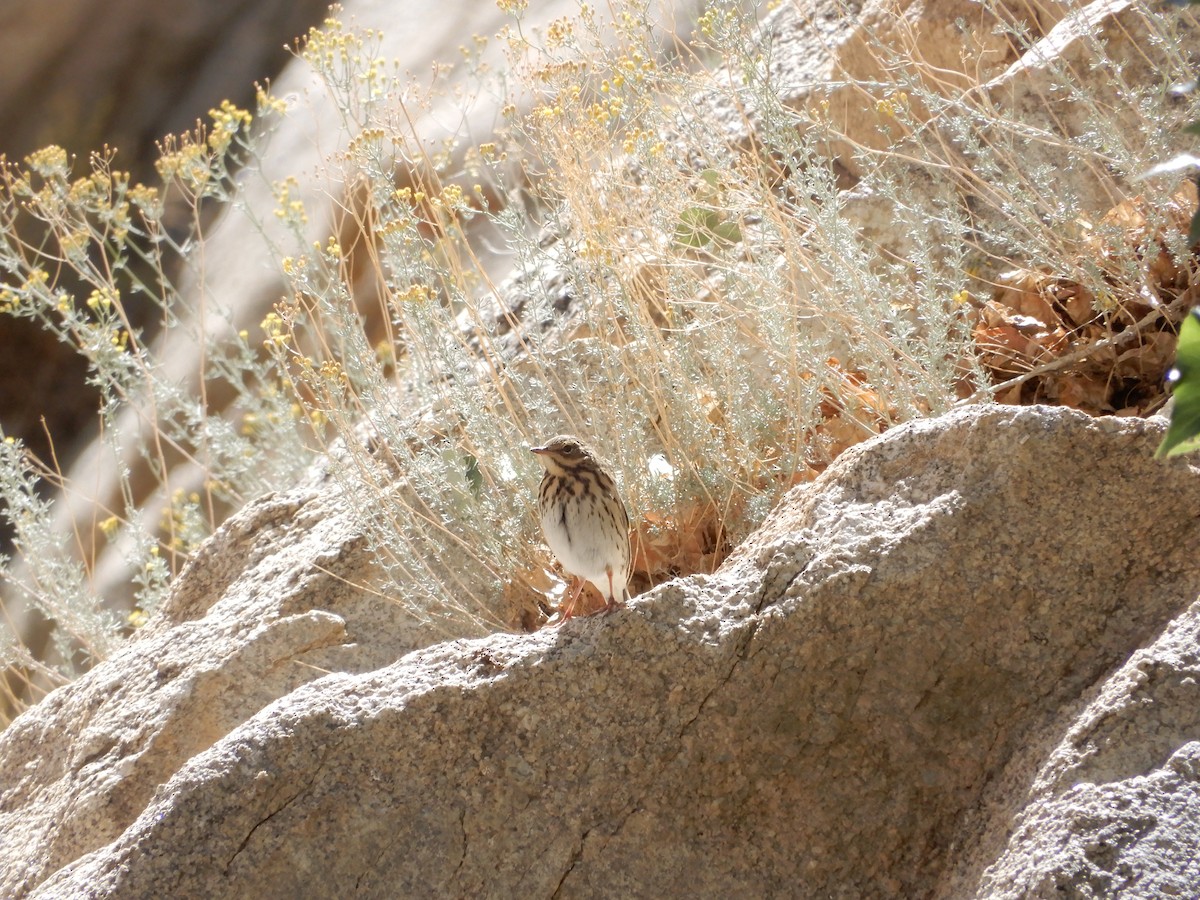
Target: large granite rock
x,y
905,677
1115,809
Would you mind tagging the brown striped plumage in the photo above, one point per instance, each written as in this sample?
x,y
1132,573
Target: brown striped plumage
x,y
584,520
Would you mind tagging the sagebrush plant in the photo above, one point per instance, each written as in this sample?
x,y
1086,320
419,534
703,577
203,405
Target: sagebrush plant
x,y
73,248
725,323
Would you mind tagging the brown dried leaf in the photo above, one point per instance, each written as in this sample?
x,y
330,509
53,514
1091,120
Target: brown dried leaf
x,y
1024,292
682,541
1077,304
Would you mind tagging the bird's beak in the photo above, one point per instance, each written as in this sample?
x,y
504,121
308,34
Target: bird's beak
x,y
539,450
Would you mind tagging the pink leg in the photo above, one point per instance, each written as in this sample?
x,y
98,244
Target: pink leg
x,y
611,603
568,608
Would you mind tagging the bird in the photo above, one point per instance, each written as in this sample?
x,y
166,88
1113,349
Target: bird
x,y
584,520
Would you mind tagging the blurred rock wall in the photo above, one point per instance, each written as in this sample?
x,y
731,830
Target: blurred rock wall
x,y
85,74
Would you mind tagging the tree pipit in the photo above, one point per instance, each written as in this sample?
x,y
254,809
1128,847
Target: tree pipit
x,y
584,520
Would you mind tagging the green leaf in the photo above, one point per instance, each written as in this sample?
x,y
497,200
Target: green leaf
x,y
1194,228
695,227
727,233
1183,435
700,226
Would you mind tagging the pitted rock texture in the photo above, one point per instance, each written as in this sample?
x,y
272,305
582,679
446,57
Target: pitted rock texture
x,y
871,698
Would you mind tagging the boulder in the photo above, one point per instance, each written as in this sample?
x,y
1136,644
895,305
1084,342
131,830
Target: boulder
x,y
1115,807
912,680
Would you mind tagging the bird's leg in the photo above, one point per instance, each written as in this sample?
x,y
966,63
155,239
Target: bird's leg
x,y
611,603
568,607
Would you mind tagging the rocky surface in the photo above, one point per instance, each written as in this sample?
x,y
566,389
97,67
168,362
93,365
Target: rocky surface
x,y
1115,809
914,680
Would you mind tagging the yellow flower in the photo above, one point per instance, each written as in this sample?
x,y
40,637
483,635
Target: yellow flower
x,y
49,161
267,102
415,293
452,196
103,298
